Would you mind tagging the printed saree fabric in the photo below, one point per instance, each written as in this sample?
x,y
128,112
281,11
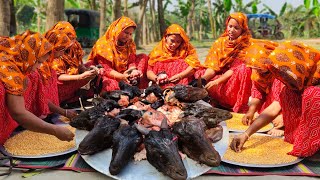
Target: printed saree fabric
x,y
107,46
69,62
224,51
295,64
185,51
17,57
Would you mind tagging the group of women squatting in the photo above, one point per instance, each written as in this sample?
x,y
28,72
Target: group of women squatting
x,y
265,80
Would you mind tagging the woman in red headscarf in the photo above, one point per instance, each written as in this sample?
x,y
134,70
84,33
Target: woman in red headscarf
x,y
297,66
69,69
116,52
19,56
174,60
228,77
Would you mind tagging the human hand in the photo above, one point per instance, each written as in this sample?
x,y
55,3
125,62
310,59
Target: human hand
x,y
175,78
91,74
238,142
247,119
70,113
125,77
162,78
211,84
63,133
135,73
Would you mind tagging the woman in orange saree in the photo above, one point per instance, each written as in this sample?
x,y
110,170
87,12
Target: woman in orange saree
x,y
174,60
297,66
19,56
70,72
228,78
116,52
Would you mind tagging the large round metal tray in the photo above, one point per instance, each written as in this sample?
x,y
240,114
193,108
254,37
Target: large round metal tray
x,y
261,165
142,169
262,130
5,152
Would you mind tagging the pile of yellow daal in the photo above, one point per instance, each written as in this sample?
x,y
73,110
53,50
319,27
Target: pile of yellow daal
x,y
262,150
235,123
29,143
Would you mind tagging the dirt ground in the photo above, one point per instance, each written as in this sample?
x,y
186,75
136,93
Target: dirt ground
x,y
203,48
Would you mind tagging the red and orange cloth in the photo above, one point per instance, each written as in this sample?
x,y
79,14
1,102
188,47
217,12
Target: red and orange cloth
x,y
18,55
185,51
108,49
295,64
224,51
63,37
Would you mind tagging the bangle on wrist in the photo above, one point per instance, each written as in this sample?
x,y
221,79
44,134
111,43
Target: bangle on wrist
x,y
66,112
247,135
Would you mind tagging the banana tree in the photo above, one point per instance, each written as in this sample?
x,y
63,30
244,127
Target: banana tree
x,y
250,7
221,10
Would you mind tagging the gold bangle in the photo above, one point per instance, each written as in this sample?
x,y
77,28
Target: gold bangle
x,y
66,112
247,135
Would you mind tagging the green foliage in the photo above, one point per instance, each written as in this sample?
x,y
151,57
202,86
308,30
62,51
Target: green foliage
x,y
283,9
254,8
73,3
24,14
227,5
270,10
306,3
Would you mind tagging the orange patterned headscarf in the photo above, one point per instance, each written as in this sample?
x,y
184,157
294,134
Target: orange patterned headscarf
x,y
60,42
185,51
257,58
107,48
17,57
296,65
224,50
69,62
66,28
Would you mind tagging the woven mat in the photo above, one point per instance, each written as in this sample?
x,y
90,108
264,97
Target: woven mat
x,y
76,163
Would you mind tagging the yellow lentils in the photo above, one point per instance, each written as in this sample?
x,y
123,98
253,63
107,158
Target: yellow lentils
x,y
29,143
235,124
262,150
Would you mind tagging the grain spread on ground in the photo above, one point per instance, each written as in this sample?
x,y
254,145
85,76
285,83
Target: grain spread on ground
x,y
29,143
235,124
262,150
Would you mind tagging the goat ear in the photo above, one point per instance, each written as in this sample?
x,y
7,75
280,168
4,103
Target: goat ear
x,y
142,129
164,124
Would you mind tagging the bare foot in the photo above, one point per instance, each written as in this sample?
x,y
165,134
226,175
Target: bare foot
x,y
315,157
276,132
278,122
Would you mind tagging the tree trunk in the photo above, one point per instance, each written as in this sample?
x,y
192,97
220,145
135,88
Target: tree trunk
x,y
4,18
93,5
13,24
153,29
55,12
190,19
125,11
145,30
212,23
102,17
162,23
138,29
200,26
116,9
